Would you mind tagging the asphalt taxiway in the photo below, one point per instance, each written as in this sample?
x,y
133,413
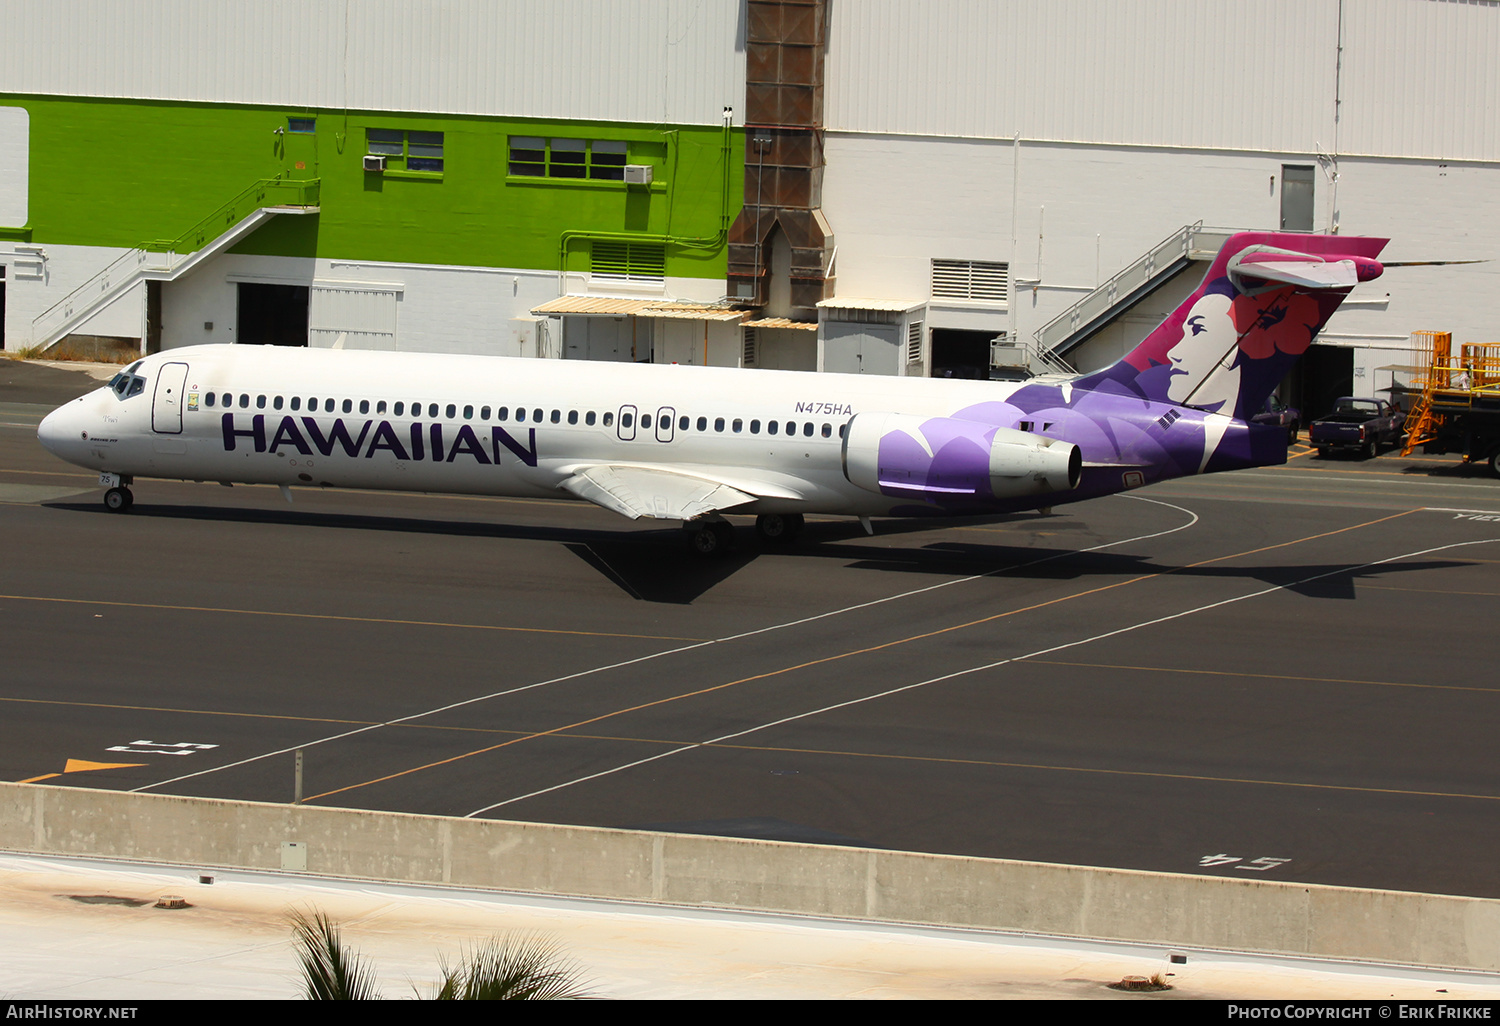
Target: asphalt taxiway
x,y
1280,673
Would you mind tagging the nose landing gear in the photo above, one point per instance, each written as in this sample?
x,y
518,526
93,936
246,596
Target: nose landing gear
x,y
118,499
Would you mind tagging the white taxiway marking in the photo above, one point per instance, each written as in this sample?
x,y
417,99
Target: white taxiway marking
x,y
1192,519
976,669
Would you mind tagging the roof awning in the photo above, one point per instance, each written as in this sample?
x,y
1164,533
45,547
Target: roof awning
x,y
858,303
612,306
782,322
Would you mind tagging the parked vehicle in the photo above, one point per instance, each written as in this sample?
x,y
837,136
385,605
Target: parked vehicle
x,y
1278,414
1358,425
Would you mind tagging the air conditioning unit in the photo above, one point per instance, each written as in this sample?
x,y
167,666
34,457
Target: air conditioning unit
x,y
374,163
638,174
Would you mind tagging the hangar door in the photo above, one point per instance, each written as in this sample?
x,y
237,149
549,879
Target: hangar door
x,y
854,348
364,314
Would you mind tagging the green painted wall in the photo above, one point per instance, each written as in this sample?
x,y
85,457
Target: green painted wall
x,y
119,172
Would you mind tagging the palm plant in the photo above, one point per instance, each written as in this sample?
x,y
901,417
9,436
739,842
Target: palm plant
x,y
506,968
523,968
330,971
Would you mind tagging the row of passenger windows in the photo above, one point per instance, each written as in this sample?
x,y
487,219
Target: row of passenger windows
x,y
503,413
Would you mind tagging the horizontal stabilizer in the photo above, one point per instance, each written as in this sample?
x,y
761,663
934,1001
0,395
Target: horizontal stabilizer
x,y
636,492
1261,267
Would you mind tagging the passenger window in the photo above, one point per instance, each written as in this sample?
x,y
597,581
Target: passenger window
x,y
328,405
557,416
827,430
399,409
702,423
380,406
260,402
121,382
807,429
842,428
276,403
626,420
348,405
520,413
588,418
609,418
735,427
451,411
645,420
503,413
682,424
772,427
755,427
364,406
718,423
244,402
572,416
468,413
296,402
484,413
791,427
432,409
536,415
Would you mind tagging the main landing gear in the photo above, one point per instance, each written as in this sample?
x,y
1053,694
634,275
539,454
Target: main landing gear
x,y
710,537
716,537
118,499
778,528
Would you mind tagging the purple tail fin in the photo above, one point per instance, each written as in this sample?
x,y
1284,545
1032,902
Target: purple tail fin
x,y
1263,300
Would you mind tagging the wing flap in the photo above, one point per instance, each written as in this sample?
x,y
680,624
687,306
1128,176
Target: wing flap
x,y
636,492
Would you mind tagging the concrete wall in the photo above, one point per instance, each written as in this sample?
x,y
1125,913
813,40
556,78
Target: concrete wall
x,y
719,872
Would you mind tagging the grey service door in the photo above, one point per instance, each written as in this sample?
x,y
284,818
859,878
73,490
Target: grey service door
x,y
166,404
1297,197
854,348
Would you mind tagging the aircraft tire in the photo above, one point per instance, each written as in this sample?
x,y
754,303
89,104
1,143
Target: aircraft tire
x,y
778,528
118,500
715,538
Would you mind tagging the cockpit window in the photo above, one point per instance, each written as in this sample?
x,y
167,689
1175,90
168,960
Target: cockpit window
x,y
127,383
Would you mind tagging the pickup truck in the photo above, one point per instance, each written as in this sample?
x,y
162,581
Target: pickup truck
x,y
1277,414
1357,425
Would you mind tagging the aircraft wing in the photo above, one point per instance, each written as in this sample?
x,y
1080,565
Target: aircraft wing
x,y
635,491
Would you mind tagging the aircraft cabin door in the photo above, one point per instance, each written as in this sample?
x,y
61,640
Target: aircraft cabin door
x,y
625,426
664,423
166,405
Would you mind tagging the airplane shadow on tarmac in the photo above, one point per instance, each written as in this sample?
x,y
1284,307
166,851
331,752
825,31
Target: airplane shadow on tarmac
x,y
656,566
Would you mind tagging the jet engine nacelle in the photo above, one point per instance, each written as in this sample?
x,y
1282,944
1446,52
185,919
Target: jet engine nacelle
x,y
942,458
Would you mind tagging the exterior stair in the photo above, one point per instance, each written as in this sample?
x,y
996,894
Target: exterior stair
x,y
170,259
1143,276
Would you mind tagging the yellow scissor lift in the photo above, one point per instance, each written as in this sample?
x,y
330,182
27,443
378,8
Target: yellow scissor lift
x,y
1459,406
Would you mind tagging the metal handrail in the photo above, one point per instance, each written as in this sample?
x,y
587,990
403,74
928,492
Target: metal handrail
x,y
1127,282
123,272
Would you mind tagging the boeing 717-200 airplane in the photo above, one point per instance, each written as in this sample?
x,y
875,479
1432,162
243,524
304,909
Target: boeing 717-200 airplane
x,y
693,443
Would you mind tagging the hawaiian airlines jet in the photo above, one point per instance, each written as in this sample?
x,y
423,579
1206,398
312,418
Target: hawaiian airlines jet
x,y
692,443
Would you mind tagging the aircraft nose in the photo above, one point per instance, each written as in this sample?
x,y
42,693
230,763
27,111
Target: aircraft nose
x,y
60,429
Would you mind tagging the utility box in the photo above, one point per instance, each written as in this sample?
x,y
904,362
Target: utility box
x,y
525,336
638,174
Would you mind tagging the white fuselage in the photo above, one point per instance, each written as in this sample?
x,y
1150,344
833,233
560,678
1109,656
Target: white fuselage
x,y
487,425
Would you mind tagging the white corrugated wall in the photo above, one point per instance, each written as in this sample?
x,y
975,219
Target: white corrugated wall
x,y
672,61
1420,78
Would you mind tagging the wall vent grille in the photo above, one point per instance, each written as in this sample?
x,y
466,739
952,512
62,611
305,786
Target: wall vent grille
x,y
980,280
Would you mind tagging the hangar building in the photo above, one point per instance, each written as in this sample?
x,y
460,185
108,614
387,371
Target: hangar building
x,y
924,187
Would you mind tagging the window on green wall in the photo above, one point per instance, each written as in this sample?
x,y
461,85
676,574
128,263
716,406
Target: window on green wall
x,y
301,126
406,151
602,160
